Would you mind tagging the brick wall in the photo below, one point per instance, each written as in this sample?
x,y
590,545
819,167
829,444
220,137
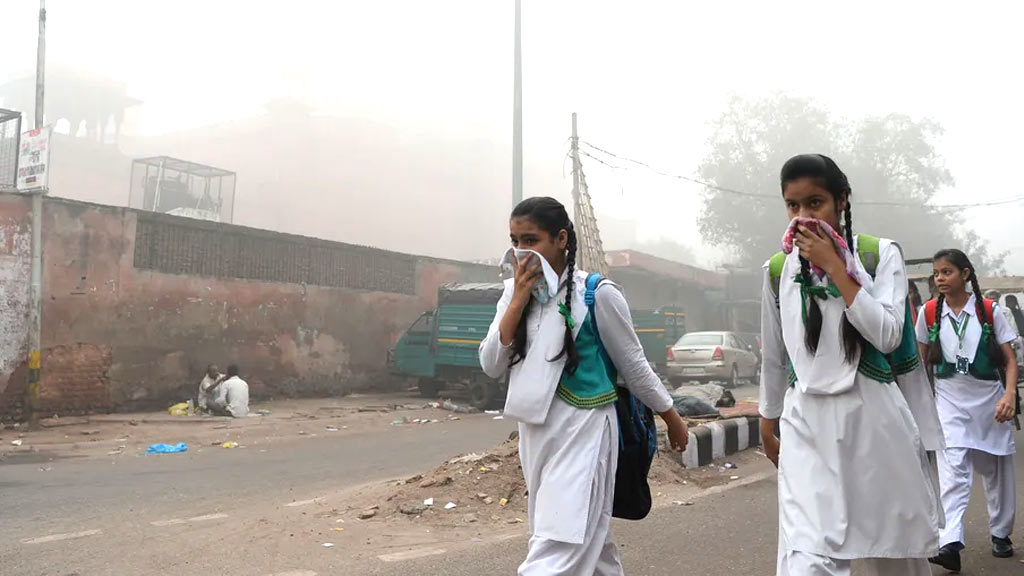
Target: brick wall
x,y
136,304
15,271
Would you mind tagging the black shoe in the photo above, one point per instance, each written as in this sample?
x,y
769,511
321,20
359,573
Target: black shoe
x,y
1002,547
948,557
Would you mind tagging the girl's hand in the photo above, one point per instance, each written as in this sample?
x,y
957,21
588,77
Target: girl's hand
x,y
818,248
678,434
1006,409
769,441
527,271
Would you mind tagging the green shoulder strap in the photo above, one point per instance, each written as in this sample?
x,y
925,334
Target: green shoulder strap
x,y
775,272
867,251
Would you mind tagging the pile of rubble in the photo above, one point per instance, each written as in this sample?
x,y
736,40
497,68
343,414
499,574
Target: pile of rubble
x,y
467,489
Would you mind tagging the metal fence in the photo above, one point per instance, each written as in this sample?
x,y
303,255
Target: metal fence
x,y
10,136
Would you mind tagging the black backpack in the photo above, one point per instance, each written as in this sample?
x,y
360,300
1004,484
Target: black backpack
x,y
638,435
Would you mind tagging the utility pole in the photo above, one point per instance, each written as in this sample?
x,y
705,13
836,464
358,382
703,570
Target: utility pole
x,y
590,250
517,115
35,331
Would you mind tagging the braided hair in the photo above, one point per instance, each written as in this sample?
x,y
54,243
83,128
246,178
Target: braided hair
x,y
826,174
550,215
961,262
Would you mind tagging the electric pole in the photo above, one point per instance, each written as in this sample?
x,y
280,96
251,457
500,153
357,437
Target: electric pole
x,y
517,115
35,330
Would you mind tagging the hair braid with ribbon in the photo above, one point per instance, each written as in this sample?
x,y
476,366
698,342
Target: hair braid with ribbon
x,y
572,360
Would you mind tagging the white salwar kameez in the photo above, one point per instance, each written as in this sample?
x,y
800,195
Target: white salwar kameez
x,y
975,442
853,473
569,455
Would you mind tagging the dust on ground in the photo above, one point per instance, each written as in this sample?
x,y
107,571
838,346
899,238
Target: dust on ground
x,y
129,434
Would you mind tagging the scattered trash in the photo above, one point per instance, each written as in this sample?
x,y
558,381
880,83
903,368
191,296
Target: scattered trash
x,y
46,469
682,503
503,502
133,422
327,545
444,481
367,514
488,500
516,521
481,496
498,418
730,466
693,406
453,407
89,432
115,452
397,423
263,412
229,445
449,506
492,412
179,409
471,457
331,428
734,478
339,521
428,502
167,448
16,442
338,529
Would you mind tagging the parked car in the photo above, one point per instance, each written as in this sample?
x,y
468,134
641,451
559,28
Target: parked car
x,y
713,357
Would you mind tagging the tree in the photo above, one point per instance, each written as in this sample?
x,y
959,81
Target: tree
x,y
891,162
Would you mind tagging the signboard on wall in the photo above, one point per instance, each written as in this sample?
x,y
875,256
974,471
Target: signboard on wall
x,y
34,161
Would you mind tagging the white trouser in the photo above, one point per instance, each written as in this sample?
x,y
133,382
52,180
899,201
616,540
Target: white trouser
x,y
795,563
597,555
956,474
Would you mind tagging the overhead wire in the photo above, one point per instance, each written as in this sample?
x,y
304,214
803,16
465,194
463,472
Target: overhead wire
x,y
727,190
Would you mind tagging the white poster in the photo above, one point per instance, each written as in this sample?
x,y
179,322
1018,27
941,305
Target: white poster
x,y
34,160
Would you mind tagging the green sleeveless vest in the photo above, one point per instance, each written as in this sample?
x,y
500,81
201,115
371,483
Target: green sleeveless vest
x,y
873,364
593,383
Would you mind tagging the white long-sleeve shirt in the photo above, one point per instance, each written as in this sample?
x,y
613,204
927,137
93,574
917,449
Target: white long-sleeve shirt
x,y
533,381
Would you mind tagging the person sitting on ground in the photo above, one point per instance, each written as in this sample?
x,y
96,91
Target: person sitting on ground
x,y
232,398
208,386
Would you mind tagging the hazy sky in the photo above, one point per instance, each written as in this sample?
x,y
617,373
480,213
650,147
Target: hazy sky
x,y
645,77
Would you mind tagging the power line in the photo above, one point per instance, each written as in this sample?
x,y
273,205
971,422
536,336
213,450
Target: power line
x,y
647,166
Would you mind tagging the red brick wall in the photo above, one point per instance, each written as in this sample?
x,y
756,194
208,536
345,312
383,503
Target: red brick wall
x,y
132,326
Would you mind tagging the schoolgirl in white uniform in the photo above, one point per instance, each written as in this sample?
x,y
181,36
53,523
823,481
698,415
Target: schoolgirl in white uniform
x,y
854,480
562,396
966,342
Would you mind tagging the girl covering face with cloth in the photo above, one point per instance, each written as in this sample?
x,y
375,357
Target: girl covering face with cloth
x,y
562,395
965,340
853,474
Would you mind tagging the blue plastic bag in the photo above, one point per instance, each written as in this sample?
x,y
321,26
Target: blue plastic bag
x,y
167,448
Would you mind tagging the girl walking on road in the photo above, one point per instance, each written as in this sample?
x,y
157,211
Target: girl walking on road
x,y
966,340
854,483
562,394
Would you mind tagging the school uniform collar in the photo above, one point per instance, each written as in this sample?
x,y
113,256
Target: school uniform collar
x,y
971,308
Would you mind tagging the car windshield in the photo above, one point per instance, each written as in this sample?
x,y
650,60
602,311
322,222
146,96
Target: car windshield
x,y
700,340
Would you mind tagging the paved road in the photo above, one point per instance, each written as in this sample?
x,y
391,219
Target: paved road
x,y
76,496
227,512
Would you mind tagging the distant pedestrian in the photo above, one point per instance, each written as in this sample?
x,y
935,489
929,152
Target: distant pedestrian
x,y
563,393
208,387
965,340
232,398
855,484
1018,315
